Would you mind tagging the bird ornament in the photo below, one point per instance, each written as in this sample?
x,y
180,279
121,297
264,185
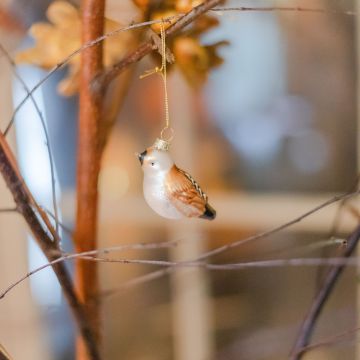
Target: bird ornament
x,y
170,191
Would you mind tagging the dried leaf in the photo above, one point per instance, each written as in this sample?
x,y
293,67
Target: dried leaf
x,y
215,59
203,24
192,59
196,60
183,6
56,40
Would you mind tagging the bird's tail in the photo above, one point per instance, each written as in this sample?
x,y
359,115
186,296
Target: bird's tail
x,y
209,213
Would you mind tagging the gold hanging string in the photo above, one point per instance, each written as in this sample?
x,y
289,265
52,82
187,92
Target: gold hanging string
x,y
163,72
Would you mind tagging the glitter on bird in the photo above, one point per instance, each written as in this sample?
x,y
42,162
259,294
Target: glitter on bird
x,y
169,191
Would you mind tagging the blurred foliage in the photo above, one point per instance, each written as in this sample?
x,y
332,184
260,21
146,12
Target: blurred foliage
x,y
61,36
194,59
56,40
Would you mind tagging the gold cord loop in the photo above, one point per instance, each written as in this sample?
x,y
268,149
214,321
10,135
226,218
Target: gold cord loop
x,y
163,72
169,136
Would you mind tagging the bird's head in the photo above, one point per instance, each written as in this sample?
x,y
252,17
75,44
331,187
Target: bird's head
x,y
153,161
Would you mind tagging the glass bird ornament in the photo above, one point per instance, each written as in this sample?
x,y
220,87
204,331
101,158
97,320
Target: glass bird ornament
x,y
170,191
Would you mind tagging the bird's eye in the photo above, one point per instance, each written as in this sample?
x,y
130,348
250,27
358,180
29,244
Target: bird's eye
x,y
152,164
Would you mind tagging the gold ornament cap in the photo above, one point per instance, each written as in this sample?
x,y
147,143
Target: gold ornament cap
x,y
161,145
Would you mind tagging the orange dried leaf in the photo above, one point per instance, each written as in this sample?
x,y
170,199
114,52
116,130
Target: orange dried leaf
x,y
184,6
56,40
203,24
215,59
192,59
196,60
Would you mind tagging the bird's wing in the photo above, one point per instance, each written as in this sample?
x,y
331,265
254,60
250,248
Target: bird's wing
x,y
185,193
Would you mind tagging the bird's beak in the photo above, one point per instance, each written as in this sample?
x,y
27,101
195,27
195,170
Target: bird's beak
x,y
141,156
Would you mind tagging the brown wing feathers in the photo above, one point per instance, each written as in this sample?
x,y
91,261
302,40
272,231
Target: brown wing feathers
x,y
187,196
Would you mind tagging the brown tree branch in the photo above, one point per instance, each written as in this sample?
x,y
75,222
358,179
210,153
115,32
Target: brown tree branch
x,y
134,26
25,205
8,210
271,263
9,22
62,63
333,340
88,164
102,81
4,355
321,298
284,9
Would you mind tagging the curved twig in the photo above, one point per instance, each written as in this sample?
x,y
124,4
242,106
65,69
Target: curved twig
x,y
48,147
162,272
61,64
320,299
85,255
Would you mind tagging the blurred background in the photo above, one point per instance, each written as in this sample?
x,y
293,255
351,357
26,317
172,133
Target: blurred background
x,y
270,135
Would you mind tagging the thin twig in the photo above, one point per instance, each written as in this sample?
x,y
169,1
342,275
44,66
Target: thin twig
x,y
62,225
332,340
92,256
320,299
335,228
277,229
103,80
69,256
162,272
284,8
134,26
43,124
8,210
296,262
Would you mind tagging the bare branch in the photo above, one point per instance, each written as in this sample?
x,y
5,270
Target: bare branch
x,y
25,203
134,26
61,64
8,210
336,339
101,82
321,298
90,256
284,8
63,226
277,229
88,165
162,272
298,262
43,124
85,254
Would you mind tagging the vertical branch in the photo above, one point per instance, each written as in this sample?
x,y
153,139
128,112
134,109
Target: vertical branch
x,y
89,156
26,205
357,64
